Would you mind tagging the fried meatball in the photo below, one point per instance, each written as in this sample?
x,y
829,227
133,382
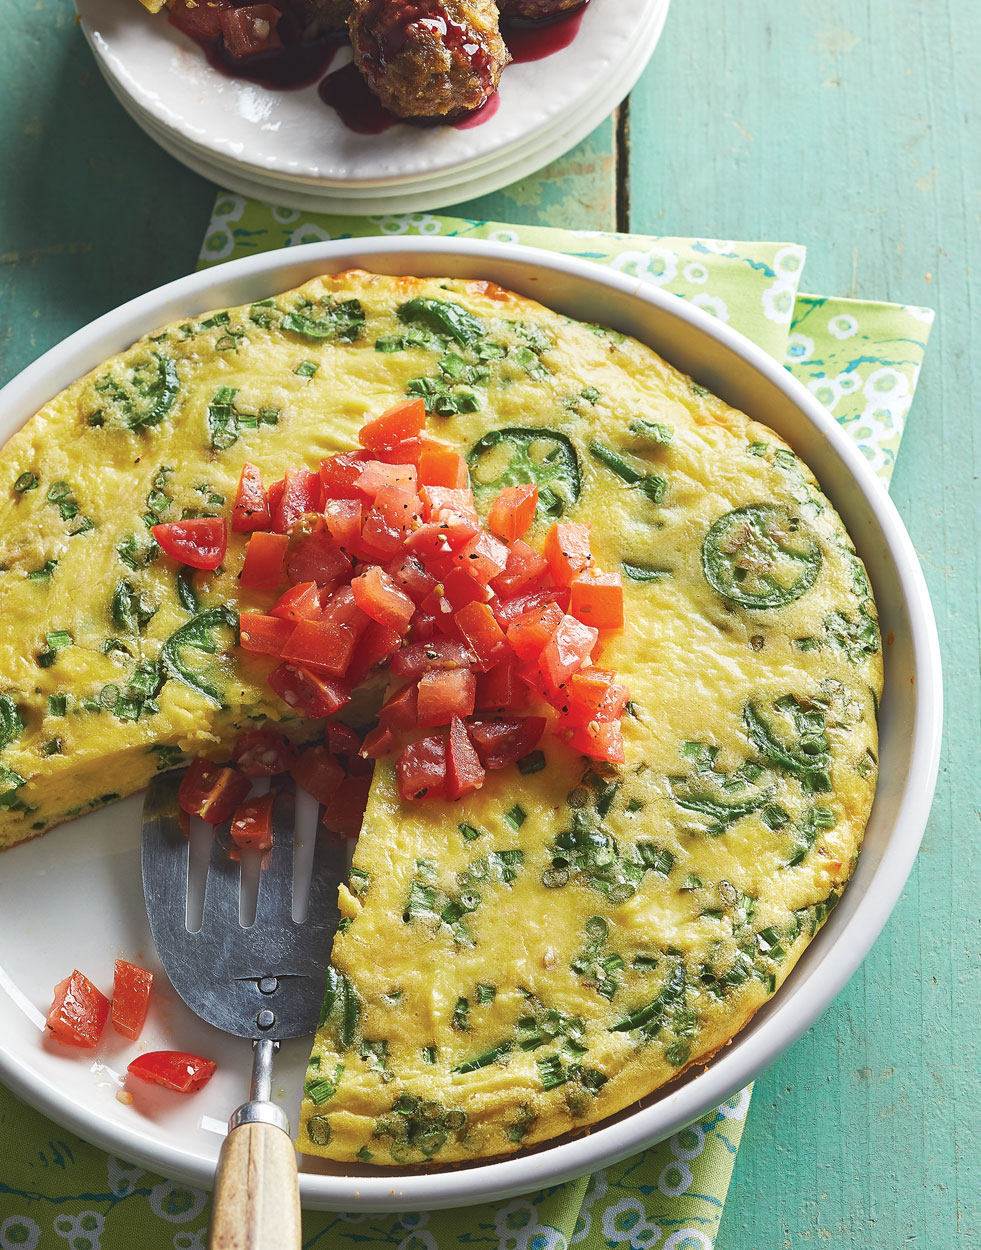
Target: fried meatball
x,y
537,10
429,58
320,17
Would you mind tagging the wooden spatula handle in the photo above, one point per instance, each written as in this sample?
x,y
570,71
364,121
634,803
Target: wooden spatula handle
x,y
256,1201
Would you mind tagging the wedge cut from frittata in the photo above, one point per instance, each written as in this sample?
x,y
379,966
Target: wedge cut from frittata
x,y
528,960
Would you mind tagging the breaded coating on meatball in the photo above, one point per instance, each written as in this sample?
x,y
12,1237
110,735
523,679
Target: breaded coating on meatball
x,y
537,10
320,17
429,58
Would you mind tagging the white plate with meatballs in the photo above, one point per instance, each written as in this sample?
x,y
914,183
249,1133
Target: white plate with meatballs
x,y
277,101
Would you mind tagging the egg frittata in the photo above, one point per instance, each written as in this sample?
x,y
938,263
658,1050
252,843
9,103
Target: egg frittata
x,y
530,959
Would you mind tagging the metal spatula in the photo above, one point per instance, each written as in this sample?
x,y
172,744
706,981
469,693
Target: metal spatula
x,y
263,982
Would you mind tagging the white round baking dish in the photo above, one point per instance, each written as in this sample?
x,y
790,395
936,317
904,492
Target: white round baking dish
x,y
40,880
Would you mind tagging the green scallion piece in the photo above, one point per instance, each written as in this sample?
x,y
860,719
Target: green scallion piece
x,y
516,817
306,369
27,481
57,704
469,832
486,994
532,763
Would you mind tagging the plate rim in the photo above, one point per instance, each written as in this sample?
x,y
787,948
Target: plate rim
x,y
734,1067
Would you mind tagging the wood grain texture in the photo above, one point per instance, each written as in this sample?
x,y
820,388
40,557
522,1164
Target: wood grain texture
x,y
256,1200
852,126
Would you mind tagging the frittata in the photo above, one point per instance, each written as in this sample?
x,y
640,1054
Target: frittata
x,y
544,952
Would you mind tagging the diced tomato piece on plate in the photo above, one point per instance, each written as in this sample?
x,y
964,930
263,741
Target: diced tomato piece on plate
x,y
251,826
464,771
200,542
421,769
567,550
377,474
567,651
341,739
263,566
173,1069
301,602
377,596
250,30
400,507
525,570
417,657
482,633
529,634
302,493
442,466
381,539
317,558
251,511
265,634
505,741
597,599
507,611
405,420
342,609
483,557
78,1012
401,710
344,813
343,518
339,473
429,542
408,574
443,694
443,501
377,644
211,791
499,690
595,694
131,987
321,645
309,693
599,740
513,511
318,772
378,743
263,753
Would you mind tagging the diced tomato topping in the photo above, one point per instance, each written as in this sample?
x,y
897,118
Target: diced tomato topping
x,y
376,594
251,511
131,987
410,576
421,769
263,753
301,602
264,556
265,634
567,550
381,539
429,542
250,30
599,740
79,1012
321,645
341,739
173,1069
443,694
595,694
343,518
464,771
525,570
344,813
460,587
211,791
415,659
498,689
317,558
442,466
503,742
342,609
401,710
483,557
376,645
251,826
318,772
529,634
339,473
378,743
302,493
405,420
507,611
443,502
377,474
597,599
309,693
200,542
513,511
400,507
567,651
483,635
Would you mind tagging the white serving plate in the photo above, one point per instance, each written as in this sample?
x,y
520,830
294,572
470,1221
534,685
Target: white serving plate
x,y
73,898
293,136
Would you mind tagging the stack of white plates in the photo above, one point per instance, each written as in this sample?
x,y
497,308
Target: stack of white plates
x,y
290,148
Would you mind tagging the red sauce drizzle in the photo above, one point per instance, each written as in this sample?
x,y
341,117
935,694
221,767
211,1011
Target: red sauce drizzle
x,y
533,41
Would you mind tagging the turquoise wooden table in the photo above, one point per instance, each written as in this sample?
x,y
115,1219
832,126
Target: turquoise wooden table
x,y
847,125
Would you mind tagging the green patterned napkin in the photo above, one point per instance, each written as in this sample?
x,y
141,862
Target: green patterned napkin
x,y
861,360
